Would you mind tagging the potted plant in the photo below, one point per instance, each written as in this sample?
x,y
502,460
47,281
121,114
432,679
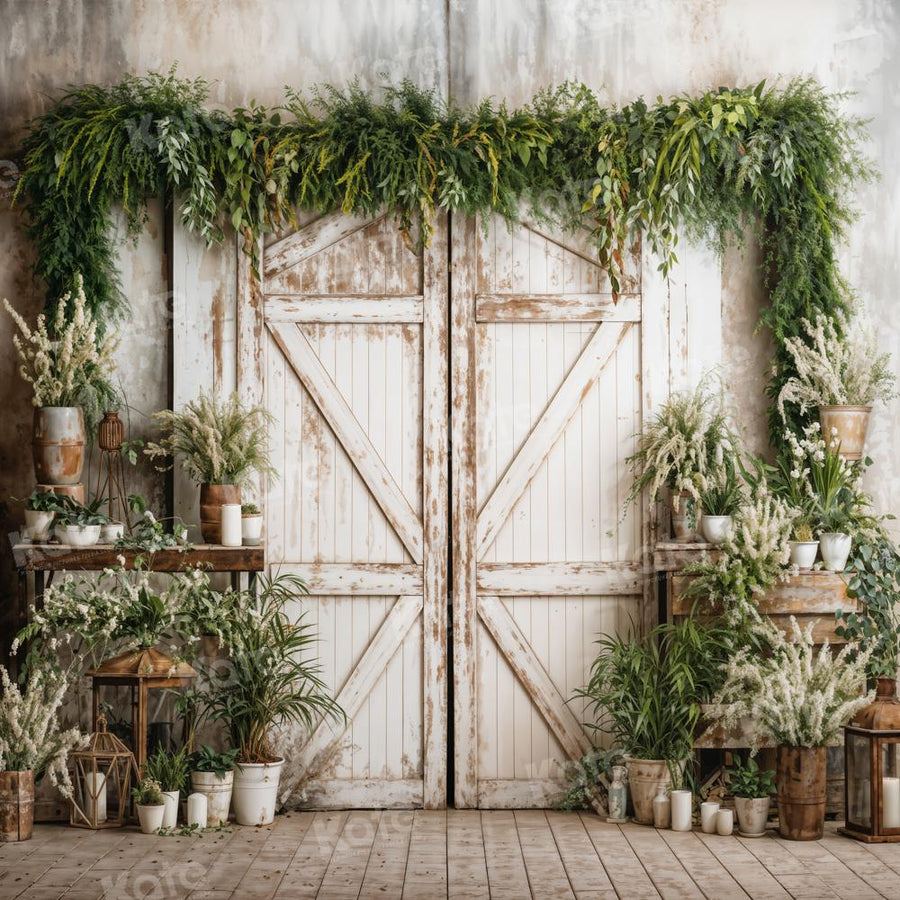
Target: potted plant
x,y
221,445
804,546
271,681
835,500
719,502
151,808
79,524
840,371
212,774
800,697
68,363
644,693
680,448
251,524
40,508
170,770
752,788
31,745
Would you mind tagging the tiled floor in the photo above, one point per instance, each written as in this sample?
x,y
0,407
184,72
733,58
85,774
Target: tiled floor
x,y
463,854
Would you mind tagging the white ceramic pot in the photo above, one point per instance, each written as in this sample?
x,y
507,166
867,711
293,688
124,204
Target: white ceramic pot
x,y
256,792
218,795
111,532
251,530
682,811
81,535
752,815
38,524
716,529
151,817
803,553
835,549
170,799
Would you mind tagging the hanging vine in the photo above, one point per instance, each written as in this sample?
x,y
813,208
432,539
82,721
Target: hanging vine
x,y
781,160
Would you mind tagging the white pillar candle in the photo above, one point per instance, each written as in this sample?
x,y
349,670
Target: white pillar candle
x,y
724,822
231,525
681,810
890,792
196,810
95,785
708,812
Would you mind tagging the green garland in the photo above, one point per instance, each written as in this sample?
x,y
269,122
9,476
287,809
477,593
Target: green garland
x,y
780,160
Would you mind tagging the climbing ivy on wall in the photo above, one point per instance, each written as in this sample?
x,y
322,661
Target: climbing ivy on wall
x,y
781,160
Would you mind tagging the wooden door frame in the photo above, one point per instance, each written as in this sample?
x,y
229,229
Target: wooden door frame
x,y
430,536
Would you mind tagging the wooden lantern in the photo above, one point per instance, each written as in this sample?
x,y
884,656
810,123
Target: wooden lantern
x,y
872,769
102,781
142,671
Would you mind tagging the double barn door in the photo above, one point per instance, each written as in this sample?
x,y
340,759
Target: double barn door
x,y
451,457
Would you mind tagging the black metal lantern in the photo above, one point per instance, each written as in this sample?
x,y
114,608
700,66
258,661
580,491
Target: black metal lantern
x,y
872,769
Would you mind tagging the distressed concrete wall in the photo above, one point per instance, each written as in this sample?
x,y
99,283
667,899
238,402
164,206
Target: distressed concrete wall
x,y
251,48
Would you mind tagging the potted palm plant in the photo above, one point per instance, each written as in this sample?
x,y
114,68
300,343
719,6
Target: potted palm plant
x,y
68,362
151,807
31,745
170,770
752,788
221,445
800,697
840,372
270,682
719,502
681,447
646,694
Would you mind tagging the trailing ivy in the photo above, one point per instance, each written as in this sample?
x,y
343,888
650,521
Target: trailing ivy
x,y
779,160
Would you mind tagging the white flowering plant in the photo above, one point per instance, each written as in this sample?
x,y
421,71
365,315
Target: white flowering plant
x,y
219,442
684,445
798,695
68,361
837,364
30,734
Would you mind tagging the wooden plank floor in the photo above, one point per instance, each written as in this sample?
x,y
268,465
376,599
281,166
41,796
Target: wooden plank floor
x,y
464,854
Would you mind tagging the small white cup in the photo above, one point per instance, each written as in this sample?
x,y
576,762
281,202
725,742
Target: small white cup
x,y
725,822
708,813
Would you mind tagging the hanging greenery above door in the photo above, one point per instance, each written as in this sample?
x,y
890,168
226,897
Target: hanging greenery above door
x,y
782,160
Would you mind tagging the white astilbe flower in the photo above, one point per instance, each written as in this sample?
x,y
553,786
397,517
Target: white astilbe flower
x,y
30,736
797,695
837,365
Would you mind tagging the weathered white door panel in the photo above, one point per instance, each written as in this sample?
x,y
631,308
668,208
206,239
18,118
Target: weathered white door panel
x,y
544,559
346,340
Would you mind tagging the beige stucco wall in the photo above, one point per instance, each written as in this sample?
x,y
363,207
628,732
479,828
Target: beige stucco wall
x,y
251,48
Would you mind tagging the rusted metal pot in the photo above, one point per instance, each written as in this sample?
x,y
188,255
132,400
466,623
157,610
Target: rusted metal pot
x,y
16,805
212,496
801,785
58,444
850,424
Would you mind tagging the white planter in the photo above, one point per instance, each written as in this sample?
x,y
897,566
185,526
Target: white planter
x,y
682,811
170,799
803,553
251,530
752,815
835,549
256,792
111,532
151,817
716,529
218,795
38,524
725,822
80,535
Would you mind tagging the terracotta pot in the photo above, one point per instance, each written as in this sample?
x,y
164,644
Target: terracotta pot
x,y
58,443
75,491
16,805
212,497
801,792
850,423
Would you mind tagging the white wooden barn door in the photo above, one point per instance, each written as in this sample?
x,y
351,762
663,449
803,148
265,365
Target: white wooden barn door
x,y
344,341
546,400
